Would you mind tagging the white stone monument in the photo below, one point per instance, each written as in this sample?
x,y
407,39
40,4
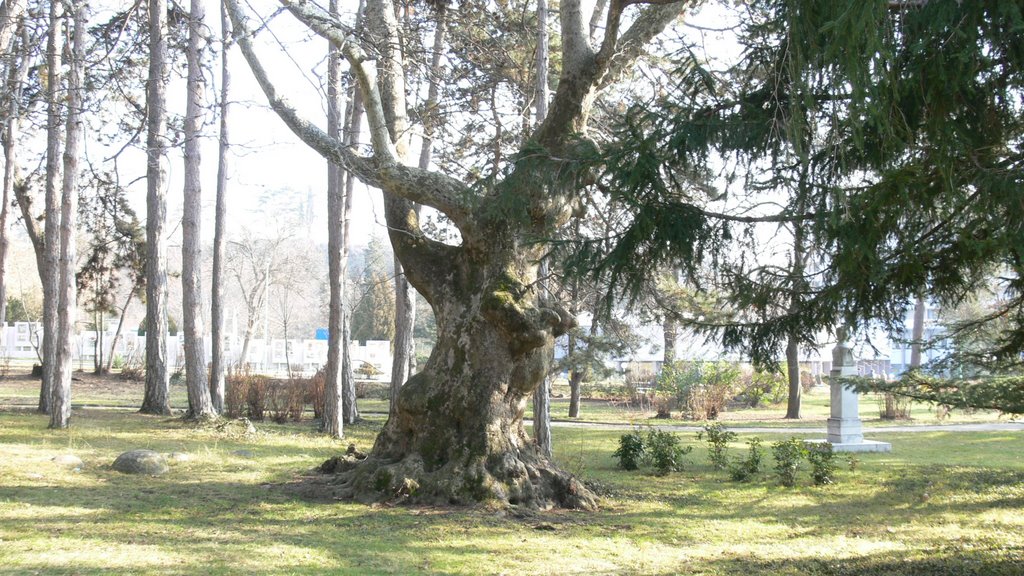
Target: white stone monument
x,y
844,428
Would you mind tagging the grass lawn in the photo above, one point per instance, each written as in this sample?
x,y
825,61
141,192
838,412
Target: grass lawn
x,y
941,503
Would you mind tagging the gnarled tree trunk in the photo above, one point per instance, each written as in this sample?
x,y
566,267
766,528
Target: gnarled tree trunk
x,y
457,435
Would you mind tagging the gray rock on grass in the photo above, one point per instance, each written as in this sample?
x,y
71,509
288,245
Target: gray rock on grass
x,y
141,462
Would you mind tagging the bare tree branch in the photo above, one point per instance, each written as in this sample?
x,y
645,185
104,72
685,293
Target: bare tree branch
x,y
383,171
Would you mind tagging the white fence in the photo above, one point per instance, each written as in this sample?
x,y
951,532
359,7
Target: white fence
x,y
21,340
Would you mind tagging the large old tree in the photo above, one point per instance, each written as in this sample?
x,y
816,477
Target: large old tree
x,y
457,435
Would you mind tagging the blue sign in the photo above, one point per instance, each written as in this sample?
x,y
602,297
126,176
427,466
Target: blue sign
x,y
322,333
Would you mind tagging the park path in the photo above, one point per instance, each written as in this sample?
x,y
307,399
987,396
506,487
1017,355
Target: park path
x,y
1015,426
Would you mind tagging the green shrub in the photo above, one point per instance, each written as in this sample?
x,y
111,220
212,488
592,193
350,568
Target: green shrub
x,y
658,449
631,451
823,464
700,389
664,452
718,444
763,387
745,469
788,455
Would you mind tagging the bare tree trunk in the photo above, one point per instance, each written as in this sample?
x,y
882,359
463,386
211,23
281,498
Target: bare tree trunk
x,y
575,380
97,353
333,421
350,137
9,135
580,373
793,401
51,231
250,326
120,328
200,406
60,408
218,364
542,396
793,377
404,296
157,395
11,13
671,332
404,315
917,333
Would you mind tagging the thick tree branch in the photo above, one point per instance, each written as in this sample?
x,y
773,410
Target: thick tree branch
x,y
652,21
575,38
382,170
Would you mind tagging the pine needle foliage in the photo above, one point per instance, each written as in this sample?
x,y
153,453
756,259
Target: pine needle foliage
x,y
889,134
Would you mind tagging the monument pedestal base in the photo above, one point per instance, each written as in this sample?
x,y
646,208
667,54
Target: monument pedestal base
x,y
862,446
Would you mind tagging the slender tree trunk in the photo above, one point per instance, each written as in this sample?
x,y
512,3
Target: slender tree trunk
x,y
218,364
10,134
120,328
350,137
333,420
793,401
575,380
11,25
51,232
671,334
793,377
579,374
97,352
404,296
60,408
157,395
542,396
404,314
917,333
200,405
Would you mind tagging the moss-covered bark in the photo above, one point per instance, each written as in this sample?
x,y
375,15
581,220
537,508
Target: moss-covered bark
x,y
457,434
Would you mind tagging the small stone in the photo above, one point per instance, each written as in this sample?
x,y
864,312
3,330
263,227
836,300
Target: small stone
x,y
141,462
179,457
68,461
244,453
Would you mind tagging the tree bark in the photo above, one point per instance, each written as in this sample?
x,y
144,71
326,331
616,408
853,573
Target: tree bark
x,y
218,363
575,380
157,395
333,420
60,408
350,138
917,334
671,333
49,274
793,377
793,401
200,405
542,396
12,23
